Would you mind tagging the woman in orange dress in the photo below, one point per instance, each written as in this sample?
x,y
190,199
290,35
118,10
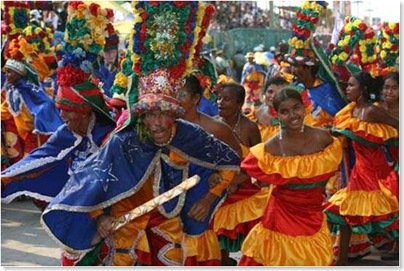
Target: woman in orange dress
x,y
368,205
298,162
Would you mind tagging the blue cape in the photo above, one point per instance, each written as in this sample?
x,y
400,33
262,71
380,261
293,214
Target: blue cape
x,y
121,167
39,104
327,97
44,172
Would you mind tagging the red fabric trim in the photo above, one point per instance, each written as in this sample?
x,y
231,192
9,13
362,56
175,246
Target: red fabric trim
x,y
248,261
242,228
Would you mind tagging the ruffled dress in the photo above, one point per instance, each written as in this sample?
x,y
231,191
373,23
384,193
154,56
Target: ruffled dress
x,y
239,213
369,203
293,230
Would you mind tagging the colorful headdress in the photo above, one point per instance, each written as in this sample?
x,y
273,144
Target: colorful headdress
x,y
86,30
16,18
387,47
166,38
302,33
359,48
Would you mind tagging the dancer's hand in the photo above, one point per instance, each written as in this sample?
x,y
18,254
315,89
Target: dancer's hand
x,y
104,225
200,210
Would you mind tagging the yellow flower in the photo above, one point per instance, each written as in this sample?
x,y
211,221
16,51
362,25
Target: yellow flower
x,y
299,44
392,25
383,54
343,56
348,27
81,11
334,59
98,23
135,58
121,80
362,48
342,43
387,45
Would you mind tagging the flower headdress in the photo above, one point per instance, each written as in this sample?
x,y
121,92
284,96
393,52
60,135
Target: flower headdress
x,y
16,18
85,34
359,48
165,39
387,46
302,32
355,48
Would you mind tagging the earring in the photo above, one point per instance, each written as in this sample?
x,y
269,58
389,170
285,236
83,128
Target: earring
x,y
302,128
280,130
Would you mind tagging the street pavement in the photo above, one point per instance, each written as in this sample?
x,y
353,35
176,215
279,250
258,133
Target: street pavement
x,y
24,242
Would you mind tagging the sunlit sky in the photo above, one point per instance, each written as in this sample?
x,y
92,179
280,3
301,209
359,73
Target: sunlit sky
x,y
387,10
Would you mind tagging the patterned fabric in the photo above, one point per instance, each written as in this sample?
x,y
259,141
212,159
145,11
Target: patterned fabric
x,y
111,177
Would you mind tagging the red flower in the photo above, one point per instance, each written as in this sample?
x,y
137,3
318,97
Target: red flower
x,y
346,49
181,3
394,47
75,4
110,13
154,3
210,9
70,76
362,27
94,9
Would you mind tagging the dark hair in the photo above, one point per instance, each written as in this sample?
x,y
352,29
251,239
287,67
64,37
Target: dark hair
x,y
192,83
275,80
371,86
237,89
394,75
285,94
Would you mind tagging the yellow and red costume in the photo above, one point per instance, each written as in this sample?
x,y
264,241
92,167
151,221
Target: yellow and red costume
x,y
293,226
369,203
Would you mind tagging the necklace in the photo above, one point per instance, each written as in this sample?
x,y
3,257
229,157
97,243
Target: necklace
x,y
237,123
168,141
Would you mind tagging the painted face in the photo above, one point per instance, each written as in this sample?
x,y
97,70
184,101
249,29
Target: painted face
x,y
76,121
12,76
159,124
353,89
227,103
270,93
291,112
391,90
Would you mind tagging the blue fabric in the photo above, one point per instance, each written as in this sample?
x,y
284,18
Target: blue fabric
x,y
208,107
120,169
327,97
43,173
46,115
107,78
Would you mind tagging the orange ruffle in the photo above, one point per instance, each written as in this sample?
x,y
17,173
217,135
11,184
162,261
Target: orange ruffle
x,y
345,121
365,203
229,216
271,248
203,249
299,166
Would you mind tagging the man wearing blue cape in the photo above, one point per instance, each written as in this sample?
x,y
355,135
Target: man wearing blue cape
x,y
151,153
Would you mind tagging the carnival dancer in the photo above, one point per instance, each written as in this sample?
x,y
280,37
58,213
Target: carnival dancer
x,y
28,113
204,249
252,79
265,115
149,154
45,170
368,204
298,162
240,211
